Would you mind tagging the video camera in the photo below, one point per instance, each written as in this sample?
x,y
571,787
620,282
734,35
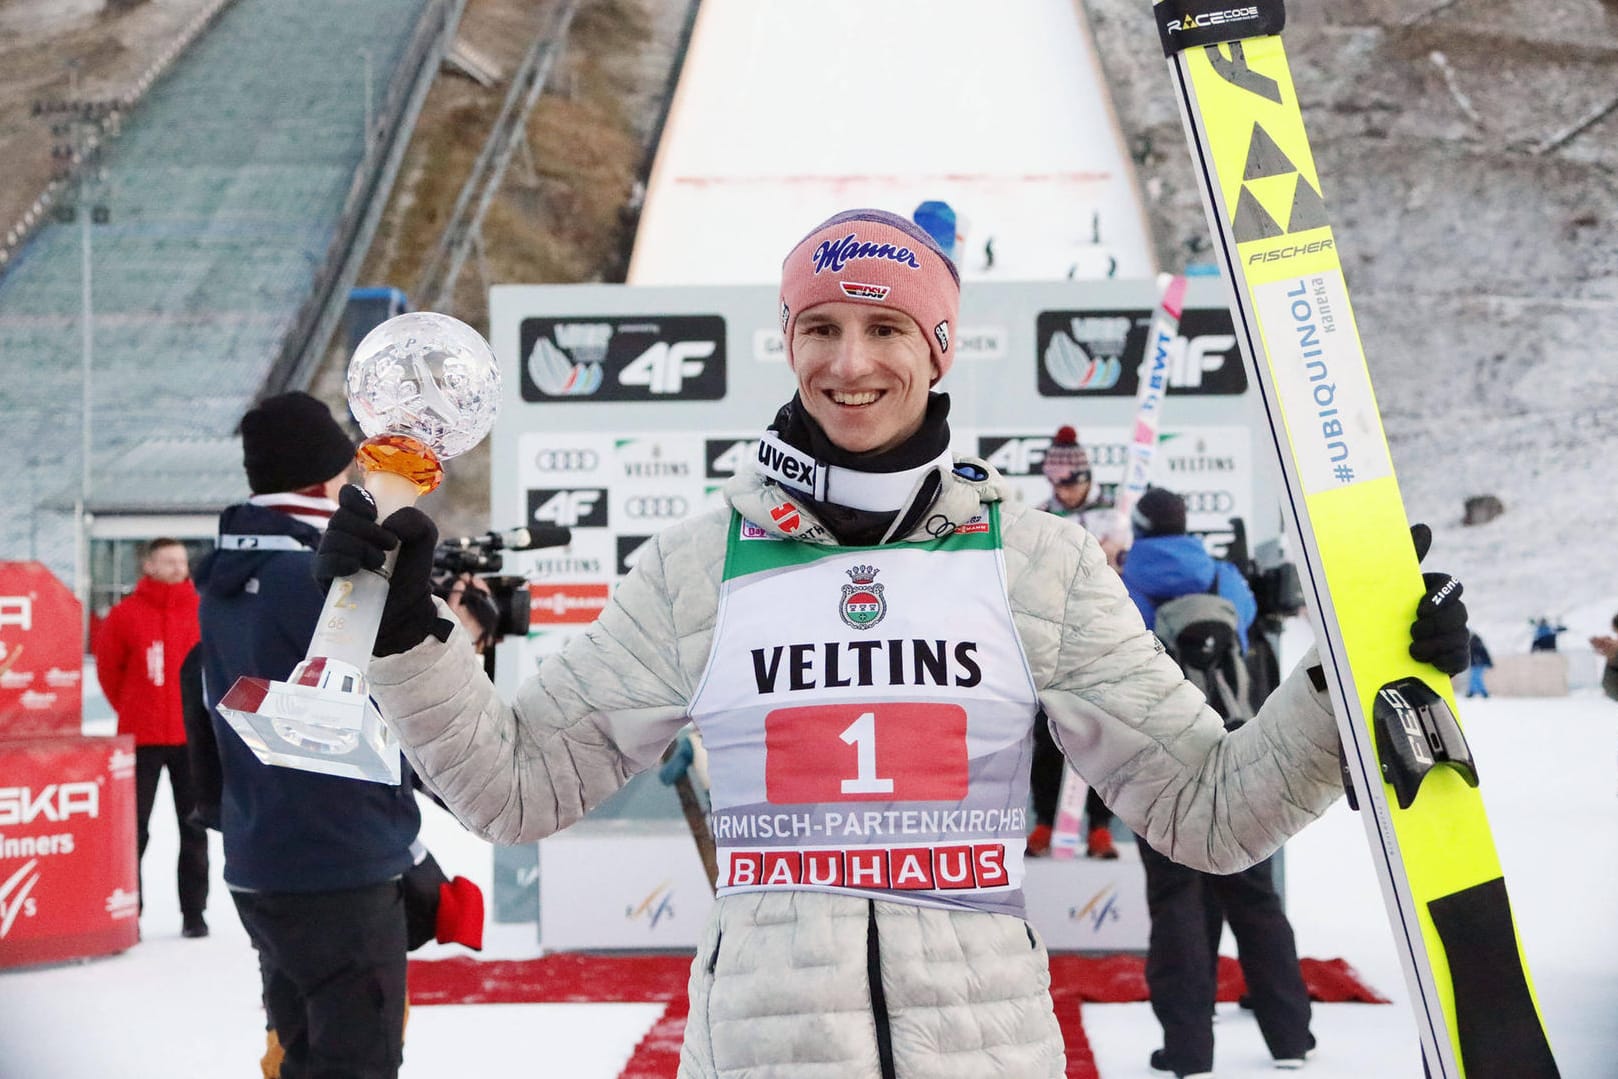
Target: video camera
x,y
504,611
1273,580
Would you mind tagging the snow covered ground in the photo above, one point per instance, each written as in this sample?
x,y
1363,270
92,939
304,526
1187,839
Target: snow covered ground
x,y
188,1009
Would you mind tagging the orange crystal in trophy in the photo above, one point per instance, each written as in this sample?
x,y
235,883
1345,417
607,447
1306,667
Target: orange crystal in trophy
x,y
403,456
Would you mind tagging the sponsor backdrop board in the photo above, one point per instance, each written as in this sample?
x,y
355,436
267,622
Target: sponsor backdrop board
x,y
628,408
68,886
40,655
635,885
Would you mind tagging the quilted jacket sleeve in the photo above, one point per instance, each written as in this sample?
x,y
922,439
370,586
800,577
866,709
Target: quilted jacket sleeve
x,y
1140,733
597,712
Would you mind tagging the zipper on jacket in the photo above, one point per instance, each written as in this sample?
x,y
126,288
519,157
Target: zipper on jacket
x,y
879,1001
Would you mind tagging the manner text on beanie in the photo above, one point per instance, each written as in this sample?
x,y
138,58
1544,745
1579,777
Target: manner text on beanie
x,y
1065,460
290,442
1160,512
872,256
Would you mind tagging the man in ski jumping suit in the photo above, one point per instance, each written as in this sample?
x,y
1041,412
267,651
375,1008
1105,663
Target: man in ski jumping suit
x,y
862,637
1189,908
313,862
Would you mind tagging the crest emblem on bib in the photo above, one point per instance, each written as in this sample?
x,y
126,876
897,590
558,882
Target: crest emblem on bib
x,y
863,605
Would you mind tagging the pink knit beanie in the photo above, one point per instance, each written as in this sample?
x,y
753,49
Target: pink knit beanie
x,y
873,256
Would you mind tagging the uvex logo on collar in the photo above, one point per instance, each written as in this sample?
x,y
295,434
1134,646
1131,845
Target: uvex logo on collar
x,y
834,256
878,492
789,467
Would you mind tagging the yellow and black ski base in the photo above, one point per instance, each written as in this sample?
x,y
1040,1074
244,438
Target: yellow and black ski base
x,y
1410,769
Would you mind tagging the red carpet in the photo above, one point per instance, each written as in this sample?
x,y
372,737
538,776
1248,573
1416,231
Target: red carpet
x,y
573,977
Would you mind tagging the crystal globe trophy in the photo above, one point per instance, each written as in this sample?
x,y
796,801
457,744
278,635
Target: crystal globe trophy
x,y
424,387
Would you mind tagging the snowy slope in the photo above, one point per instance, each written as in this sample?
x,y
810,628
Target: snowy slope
x,y
788,112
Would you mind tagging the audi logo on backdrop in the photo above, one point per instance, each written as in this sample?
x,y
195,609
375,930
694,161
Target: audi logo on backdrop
x,y
656,507
567,460
1209,501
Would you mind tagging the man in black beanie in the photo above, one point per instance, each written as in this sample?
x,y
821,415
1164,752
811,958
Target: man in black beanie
x,y
1188,908
312,861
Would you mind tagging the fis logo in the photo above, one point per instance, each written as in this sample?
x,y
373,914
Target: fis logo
x,y
656,907
1100,909
154,663
15,898
584,507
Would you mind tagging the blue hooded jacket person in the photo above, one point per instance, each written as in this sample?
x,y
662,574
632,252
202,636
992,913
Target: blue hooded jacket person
x,y
1166,563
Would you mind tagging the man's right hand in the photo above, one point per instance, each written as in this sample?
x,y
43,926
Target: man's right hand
x,y
355,541
1607,646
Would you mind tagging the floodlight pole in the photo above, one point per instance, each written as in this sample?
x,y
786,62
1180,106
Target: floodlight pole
x,y
86,366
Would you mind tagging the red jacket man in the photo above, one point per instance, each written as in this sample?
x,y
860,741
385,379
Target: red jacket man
x,y
138,654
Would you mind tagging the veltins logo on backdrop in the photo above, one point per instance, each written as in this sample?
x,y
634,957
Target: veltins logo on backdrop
x,y
623,358
1098,353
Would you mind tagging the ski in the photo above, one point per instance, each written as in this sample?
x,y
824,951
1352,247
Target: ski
x,y
1405,754
1153,386
1067,834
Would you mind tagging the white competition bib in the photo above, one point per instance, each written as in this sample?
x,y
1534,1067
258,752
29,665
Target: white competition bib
x,y
868,716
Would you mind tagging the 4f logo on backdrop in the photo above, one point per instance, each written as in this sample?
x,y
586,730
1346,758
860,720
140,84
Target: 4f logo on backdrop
x,y
578,507
623,358
1099,353
1013,455
1024,455
726,456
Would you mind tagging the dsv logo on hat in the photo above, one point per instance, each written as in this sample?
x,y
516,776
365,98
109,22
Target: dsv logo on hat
x,y
656,507
623,358
569,507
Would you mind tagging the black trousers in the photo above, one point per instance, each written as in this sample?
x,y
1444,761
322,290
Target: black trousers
x,y
193,866
333,965
1188,909
1045,782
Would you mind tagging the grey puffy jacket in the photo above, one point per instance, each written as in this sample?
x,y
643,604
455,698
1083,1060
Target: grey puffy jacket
x,y
780,988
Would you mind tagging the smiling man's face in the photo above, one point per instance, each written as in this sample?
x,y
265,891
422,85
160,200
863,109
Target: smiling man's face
x,y
863,373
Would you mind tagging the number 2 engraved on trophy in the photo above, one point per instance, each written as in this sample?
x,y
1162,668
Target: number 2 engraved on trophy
x,y
342,601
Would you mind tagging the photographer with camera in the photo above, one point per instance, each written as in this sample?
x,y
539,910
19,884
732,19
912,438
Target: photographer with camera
x,y
492,606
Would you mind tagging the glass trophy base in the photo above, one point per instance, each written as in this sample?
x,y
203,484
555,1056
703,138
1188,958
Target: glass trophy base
x,y
322,720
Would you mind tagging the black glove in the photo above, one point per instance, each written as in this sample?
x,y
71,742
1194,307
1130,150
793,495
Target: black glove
x,y
354,541
1439,635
